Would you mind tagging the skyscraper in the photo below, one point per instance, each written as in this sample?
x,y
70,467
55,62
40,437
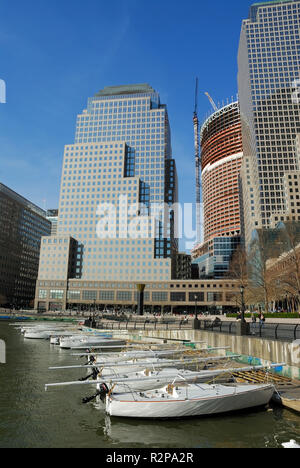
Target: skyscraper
x,y
269,64
118,169
221,159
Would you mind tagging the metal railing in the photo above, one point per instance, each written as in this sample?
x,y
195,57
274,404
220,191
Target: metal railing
x,y
148,324
273,331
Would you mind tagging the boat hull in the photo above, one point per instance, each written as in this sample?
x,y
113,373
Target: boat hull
x,y
80,344
191,407
37,335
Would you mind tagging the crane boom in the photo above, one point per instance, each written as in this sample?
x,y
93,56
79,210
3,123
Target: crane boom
x,y
198,166
212,102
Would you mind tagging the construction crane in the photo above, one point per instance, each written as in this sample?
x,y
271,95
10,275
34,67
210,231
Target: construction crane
x,y
198,166
212,102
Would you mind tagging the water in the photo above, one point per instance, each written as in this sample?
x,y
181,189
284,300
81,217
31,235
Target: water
x,y
33,418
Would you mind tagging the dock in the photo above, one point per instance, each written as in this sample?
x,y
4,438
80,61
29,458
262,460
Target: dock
x,y
287,390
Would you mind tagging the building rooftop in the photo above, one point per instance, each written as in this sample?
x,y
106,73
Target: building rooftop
x,y
52,213
125,89
23,201
254,8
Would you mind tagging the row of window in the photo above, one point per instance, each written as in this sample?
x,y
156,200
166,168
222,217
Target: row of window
x,y
128,296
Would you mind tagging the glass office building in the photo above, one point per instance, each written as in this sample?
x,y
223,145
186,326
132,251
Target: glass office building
x,y
22,225
269,72
213,257
52,216
115,176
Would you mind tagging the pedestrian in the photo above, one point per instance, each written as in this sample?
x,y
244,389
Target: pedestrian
x,y
239,316
262,320
253,318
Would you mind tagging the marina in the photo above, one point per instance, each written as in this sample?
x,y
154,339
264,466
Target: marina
x,y
179,388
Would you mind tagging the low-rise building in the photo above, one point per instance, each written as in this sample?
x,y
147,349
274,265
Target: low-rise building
x,y
167,296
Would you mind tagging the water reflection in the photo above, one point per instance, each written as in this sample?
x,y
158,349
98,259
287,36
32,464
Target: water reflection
x,y
251,429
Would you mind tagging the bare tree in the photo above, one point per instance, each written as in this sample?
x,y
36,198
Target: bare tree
x,y
288,265
238,270
238,266
262,287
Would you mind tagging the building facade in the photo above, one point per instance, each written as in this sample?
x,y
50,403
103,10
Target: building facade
x,y
118,185
52,216
22,225
172,296
221,160
214,256
291,187
268,62
183,266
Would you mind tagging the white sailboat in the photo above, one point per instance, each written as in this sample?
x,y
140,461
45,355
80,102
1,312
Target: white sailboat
x,y
189,401
47,327
55,338
107,381
39,334
182,353
86,341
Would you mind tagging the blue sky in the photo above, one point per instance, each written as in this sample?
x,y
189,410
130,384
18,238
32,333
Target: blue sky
x,y
55,54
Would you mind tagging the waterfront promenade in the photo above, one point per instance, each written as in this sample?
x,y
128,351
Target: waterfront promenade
x,y
283,329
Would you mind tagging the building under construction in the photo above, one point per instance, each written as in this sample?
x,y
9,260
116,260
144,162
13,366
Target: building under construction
x,y
221,160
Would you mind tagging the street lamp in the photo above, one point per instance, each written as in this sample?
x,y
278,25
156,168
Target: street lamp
x,y
141,289
243,303
196,321
242,327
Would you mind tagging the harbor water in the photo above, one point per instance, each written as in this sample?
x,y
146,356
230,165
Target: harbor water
x,y
33,418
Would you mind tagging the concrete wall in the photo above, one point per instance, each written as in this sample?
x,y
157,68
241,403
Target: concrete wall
x,y
254,351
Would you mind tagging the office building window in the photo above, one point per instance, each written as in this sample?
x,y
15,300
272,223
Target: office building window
x,y
159,296
199,297
56,294
178,296
124,296
107,295
43,294
75,295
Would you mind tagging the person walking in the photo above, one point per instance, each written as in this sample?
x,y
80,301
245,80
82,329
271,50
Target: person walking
x,y
253,319
262,320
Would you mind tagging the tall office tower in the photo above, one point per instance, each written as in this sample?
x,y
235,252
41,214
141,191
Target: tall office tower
x,y
221,159
119,167
269,64
52,216
22,225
